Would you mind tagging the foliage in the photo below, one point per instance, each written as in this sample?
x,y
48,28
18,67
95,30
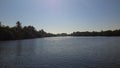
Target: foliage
x,y
94,33
19,32
27,32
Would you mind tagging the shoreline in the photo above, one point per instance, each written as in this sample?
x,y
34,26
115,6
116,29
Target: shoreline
x,y
57,36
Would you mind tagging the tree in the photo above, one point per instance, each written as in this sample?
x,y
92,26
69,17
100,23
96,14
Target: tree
x,y
42,33
18,25
17,32
0,24
30,32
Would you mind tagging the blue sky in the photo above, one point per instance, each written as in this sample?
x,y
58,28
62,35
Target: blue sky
x,y
57,16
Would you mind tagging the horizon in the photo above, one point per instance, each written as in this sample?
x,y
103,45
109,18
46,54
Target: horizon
x,y
56,33
62,16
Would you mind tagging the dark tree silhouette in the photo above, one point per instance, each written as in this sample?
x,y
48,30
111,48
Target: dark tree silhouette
x,y
18,25
94,33
42,33
0,24
20,32
27,32
30,32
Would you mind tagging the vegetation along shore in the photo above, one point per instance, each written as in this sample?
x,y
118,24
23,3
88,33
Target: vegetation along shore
x,y
27,32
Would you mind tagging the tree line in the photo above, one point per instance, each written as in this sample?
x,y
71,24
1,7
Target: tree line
x,y
95,33
19,32
27,32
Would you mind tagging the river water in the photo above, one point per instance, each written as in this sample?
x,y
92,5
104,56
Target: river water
x,y
61,52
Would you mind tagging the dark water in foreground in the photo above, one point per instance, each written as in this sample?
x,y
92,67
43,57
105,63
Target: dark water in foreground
x,y
61,52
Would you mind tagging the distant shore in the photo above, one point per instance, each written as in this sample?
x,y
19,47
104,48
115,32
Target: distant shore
x,y
19,32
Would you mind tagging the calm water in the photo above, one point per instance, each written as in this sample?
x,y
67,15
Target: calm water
x,y
61,52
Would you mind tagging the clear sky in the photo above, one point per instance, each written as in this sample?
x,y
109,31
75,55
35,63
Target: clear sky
x,y
57,16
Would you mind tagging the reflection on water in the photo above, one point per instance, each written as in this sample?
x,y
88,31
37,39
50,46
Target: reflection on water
x,y
61,52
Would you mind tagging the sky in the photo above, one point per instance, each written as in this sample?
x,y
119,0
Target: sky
x,y
62,16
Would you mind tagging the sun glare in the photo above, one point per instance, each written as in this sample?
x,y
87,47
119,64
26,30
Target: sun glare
x,y
52,3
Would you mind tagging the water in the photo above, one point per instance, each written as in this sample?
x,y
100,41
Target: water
x,y
61,52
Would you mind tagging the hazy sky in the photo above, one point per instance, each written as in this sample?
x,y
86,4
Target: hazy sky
x,y
58,16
